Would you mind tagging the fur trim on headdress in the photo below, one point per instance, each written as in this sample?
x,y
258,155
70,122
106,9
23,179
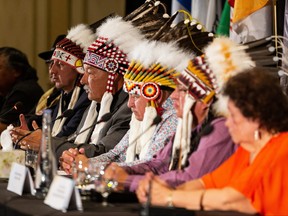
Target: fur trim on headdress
x,y
140,146
226,58
105,108
135,129
59,123
89,121
181,145
81,35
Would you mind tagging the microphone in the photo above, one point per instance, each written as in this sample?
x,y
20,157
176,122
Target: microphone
x,y
18,106
104,118
66,114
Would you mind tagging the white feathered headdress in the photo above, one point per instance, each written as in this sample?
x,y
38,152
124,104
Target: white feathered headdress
x,y
72,49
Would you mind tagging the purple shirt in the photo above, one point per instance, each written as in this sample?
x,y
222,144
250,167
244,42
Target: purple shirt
x,y
212,151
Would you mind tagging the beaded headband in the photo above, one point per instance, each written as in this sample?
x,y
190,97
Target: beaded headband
x,y
109,51
71,49
156,65
104,54
199,79
206,74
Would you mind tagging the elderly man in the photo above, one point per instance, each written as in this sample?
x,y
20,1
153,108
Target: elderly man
x,y
65,69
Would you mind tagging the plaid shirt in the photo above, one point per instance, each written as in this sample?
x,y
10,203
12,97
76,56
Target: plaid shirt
x,y
161,136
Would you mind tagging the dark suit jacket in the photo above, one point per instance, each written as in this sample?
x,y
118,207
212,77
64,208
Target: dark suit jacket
x,y
112,132
71,124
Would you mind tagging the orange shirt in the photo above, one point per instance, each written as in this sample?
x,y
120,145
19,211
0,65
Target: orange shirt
x,y
264,182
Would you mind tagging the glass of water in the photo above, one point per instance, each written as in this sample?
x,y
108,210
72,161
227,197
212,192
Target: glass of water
x,y
80,174
102,185
31,159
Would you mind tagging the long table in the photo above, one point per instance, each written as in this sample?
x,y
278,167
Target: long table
x,y
12,204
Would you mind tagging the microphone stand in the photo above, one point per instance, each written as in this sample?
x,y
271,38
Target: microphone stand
x,y
104,118
147,204
16,107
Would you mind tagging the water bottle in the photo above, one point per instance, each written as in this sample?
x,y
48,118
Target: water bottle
x,y
46,161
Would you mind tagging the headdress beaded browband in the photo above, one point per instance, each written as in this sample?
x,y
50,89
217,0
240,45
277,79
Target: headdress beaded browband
x,y
72,49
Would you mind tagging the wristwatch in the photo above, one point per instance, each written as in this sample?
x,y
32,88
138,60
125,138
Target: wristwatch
x,y
170,199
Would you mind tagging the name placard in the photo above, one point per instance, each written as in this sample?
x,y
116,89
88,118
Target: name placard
x,y
61,193
20,180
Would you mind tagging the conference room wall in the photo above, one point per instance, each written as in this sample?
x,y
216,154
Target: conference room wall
x,y
32,25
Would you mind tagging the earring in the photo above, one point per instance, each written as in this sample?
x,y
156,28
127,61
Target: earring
x,y
257,135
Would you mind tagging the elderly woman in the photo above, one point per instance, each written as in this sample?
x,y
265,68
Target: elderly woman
x,y
254,178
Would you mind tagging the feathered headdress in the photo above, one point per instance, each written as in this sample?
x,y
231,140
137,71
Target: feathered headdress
x,y
188,34
155,67
149,18
109,53
205,75
72,49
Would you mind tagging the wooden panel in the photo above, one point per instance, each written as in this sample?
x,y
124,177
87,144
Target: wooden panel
x,y
42,41
98,9
32,25
17,25
78,12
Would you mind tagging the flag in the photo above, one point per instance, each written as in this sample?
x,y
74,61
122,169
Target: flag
x,y
252,21
224,23
243,8
199,10
180,5
207,12
284,78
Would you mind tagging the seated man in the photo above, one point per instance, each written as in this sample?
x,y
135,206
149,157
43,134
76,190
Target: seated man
x,y
51,96
65,73
149,74
19,89
66,76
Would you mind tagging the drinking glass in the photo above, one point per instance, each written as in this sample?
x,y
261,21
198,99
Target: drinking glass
x,y
102,185
31,159
80,174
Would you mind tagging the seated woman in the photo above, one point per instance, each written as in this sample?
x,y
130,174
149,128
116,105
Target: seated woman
x,y
254,178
